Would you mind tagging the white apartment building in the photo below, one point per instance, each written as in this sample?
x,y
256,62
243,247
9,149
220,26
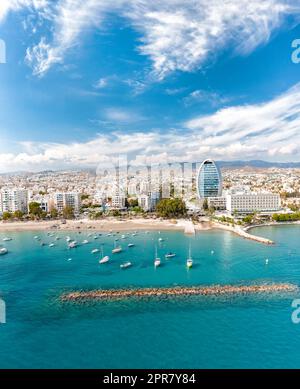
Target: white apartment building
x,y
118,201
217,202
67,199
12,200
252,202
148,203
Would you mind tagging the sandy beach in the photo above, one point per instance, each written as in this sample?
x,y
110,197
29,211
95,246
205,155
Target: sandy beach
x,y
101,225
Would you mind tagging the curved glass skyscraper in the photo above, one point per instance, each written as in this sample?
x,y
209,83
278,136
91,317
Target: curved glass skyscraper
x,y
209,180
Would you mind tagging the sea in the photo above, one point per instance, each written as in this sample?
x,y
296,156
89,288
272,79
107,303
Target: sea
x,y
254,331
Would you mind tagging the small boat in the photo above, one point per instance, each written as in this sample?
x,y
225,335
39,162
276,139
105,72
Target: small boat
x,y
42,244
94,251
160,239
3,251
123,237
69,259
57,238
51,244
108,234
36,237
68,238
117,249
96,237
85,241
125,265
104,259
72,245
157,260
134,234
6,239
130,244
212,252
170,255
267,261
189,261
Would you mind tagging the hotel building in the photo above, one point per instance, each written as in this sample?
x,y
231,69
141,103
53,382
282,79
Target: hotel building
x,y
209,180
252,202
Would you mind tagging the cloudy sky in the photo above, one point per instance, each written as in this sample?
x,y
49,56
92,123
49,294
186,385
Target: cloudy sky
x,y
178,80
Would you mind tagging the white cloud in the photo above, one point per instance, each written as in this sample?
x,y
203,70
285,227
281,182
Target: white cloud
x,y
7,6
119,115
267,131
203,96
175,34
101,83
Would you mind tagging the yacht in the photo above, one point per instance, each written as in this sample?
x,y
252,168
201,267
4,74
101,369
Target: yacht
x,y
170,255
130,244
6,239
51,244
85,241
3,251
36,237
189,261
125,265
104,259
157,260
117,249
68,239
94,251
72,245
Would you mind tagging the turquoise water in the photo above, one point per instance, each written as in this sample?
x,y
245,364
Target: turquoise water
x,y
236,332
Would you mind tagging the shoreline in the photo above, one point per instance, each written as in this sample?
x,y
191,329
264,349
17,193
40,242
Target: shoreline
x,y
214,290
103,225
186,226
243,233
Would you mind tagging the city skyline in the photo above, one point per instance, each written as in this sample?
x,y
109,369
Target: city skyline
x,y
83,83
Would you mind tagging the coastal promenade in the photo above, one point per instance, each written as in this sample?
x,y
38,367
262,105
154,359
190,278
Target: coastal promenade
x,y
215,290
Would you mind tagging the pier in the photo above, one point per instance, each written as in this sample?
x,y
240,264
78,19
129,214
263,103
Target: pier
x,y
215,290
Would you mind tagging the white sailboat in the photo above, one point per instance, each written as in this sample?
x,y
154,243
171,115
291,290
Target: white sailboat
x,y
117,249
157,260
189,261
104,259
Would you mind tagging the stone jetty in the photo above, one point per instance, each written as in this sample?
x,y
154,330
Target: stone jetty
x,y
215,290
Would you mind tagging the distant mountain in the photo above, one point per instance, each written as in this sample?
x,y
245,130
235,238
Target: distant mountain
x,y
258,164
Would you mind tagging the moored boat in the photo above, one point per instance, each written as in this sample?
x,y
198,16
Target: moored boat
x,y
170,255
3,251
125,265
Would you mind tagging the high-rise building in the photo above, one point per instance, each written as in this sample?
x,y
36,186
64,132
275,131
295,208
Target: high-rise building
x,y
12,200
209,180
67,199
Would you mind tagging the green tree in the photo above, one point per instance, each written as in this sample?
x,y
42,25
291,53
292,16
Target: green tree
x,y
35,209
54,213
205,204
171,208
6,215
84,196
68,212
18,214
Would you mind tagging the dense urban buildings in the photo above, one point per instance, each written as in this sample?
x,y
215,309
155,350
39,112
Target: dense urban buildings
x,y
237,191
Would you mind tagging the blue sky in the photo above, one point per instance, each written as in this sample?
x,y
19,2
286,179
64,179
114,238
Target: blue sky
x,y
182,80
